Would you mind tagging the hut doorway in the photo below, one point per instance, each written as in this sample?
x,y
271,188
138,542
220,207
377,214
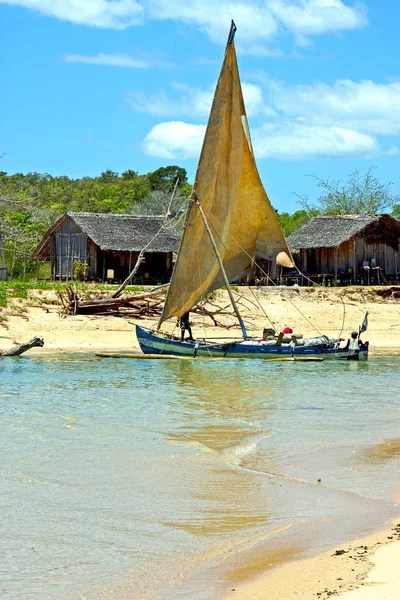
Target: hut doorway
x,y
311,260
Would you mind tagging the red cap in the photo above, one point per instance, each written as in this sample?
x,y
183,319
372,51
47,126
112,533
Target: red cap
x,y
287,330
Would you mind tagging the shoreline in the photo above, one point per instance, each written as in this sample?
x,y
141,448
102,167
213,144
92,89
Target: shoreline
x,y
359,569
65,347
82,348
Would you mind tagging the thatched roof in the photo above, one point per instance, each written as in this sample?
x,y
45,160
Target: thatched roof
x,y
331,231
119,233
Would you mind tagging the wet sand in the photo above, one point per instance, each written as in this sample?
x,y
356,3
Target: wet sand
x,y
365,569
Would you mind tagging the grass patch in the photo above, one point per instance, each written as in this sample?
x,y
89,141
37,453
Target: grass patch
x,y
3,298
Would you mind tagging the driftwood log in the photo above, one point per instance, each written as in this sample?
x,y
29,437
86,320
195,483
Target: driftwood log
x,y
35,342
73,305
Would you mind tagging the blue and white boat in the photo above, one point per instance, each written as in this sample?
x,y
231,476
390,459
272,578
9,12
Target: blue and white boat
x,y
229,222
316,348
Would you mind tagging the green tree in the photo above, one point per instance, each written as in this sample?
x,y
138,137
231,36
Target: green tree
x,y
290,223
165,177
129,175
361,194
396,211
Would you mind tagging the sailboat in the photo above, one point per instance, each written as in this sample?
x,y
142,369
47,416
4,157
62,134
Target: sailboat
x,y
229,221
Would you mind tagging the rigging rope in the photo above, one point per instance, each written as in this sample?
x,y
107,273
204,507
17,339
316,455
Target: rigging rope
x,y
261,269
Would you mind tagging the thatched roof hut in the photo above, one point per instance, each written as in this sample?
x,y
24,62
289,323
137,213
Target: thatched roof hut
x,y
332,231
120,233
346,244
108,242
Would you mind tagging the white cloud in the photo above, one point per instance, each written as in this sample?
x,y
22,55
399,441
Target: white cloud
x,y
109,60
297,141
254,101
303,121
300,122
190,102
287,141
392,151
110,14
364,105
174,140
316,17
193,102
256,21
259,21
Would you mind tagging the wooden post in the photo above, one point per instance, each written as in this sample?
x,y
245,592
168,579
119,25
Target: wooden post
x,y
385,259
336,262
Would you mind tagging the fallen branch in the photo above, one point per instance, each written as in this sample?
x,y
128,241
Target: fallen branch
x,y
21,348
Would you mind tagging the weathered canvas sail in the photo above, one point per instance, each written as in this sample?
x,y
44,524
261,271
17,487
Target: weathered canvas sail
x,y
235,204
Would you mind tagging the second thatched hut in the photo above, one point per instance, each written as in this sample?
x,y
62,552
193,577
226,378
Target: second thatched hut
x,y
348,249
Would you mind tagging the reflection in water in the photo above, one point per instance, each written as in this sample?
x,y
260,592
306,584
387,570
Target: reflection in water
x,y
219,411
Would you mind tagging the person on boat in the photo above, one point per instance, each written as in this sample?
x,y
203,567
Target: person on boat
x,y
287,330
354,342
184,324
353,345
268,334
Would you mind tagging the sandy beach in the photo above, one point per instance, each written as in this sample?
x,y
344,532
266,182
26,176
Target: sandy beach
x,y
332,311
364,569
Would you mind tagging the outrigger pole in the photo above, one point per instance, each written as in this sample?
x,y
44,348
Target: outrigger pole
x,y
221,266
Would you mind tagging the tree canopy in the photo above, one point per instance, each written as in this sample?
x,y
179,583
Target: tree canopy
x,y
360,194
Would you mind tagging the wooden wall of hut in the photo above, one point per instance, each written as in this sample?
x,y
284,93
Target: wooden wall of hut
x,y
68,246
349,257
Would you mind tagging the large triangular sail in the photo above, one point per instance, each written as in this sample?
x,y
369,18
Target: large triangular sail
x,y
229,190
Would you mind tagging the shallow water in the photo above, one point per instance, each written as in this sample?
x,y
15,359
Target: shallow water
x,y
171,479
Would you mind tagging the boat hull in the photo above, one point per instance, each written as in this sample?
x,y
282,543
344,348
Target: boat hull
x,y
151,343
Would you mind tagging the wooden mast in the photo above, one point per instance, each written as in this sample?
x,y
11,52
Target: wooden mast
x,y
221,266
231,36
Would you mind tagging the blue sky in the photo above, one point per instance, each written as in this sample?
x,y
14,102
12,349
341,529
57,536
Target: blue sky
x,y
127,84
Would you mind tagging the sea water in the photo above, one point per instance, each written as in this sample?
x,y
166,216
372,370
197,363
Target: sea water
x,y
173,479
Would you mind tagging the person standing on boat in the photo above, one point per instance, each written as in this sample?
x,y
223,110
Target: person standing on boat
x,y
184,324
353,345
353,342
